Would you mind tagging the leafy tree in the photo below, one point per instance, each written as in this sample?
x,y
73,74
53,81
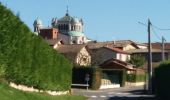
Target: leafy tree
x,y
137,60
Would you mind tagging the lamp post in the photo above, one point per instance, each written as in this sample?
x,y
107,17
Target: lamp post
x,y
87,78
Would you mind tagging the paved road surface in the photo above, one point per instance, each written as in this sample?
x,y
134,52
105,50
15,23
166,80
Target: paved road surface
x,y
123,93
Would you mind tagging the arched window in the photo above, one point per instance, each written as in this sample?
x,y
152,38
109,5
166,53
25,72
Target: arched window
x,y
71,28
74,41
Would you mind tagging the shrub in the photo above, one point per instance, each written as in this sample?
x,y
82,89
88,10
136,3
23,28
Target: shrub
x,y
30,61
135,77
137,60
122,78
162,80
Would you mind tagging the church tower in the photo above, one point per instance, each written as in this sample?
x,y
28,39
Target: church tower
x,y
37,25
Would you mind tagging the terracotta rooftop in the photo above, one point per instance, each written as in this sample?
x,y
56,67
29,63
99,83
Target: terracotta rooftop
x,y
120,43
70,48
159,46
146,51
70,51
116,50
52,42
116,64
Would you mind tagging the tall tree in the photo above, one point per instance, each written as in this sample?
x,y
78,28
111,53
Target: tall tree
x,y
137,60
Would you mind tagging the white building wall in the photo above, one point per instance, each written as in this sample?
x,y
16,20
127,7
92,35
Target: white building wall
x,y
122,57
129,47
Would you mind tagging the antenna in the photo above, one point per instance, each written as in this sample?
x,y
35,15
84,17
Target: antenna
x,y
67,11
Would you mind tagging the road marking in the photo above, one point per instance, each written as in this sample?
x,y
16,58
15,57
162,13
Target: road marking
x,y
111,93
123,93
93,96
102,96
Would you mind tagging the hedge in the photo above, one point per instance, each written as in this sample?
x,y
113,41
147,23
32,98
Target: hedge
x,y
162,80
28,58
95,74
136,77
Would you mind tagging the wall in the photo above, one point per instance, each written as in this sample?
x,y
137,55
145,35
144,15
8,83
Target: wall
x,y
128,47
64,38
50,33
83,58
101,55
122,57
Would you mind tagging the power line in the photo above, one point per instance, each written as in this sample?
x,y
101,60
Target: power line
x,y
153,26
160,28
156,33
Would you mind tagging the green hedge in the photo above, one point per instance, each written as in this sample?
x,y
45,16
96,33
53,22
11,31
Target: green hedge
x,y
162,80
79,74
123,78
28,58
135,77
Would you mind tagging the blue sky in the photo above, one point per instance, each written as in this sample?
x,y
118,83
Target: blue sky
x,y
105,20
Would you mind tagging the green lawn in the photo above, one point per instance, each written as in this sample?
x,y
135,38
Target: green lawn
x,y
8,93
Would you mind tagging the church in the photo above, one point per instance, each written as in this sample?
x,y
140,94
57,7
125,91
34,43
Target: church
x,y
68,29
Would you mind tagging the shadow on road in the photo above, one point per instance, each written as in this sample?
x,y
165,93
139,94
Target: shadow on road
x,y
138,92
132,98
143,96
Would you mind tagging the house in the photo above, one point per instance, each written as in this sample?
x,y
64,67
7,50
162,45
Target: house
x,y
49,33
78,54
125,45
104,53
156,54
121,44
113,72
54,42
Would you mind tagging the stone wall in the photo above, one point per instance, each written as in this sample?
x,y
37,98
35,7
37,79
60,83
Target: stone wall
x,y
31,89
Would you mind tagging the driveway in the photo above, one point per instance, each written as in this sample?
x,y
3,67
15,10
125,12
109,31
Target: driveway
x,y
123,93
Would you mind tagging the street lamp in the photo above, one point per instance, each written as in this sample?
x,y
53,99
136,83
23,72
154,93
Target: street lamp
x,y
87,78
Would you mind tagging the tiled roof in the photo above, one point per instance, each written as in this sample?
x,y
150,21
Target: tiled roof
x,y
120,43
117,50
116,64
146,51
52,41
159,45
96,45
70,51
70,48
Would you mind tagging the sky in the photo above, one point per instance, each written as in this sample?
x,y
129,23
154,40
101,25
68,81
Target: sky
x,y
104,20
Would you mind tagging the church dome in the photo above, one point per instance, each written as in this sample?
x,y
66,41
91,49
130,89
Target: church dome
x,y
67,17
75,33
75,20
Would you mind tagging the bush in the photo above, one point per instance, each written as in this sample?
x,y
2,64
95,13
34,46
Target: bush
x,y
29,59
135,77
162,80
137,60
79,74
122,78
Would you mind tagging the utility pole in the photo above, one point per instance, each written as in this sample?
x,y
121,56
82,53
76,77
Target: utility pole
x,y
163,48
149,60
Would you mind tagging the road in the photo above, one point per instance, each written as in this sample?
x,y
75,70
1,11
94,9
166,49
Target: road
x,y
123,93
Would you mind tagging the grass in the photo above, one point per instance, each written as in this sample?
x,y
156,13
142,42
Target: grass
x,y
8,93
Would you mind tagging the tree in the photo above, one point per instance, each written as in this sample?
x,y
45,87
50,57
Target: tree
x,y
137,60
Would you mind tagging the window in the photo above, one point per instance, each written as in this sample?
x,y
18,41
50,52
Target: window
x,y
84,59
74,42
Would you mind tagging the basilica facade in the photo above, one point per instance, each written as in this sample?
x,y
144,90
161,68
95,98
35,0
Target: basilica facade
x,y
70,29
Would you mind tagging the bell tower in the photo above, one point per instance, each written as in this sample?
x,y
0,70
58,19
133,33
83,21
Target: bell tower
x,y
37,25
